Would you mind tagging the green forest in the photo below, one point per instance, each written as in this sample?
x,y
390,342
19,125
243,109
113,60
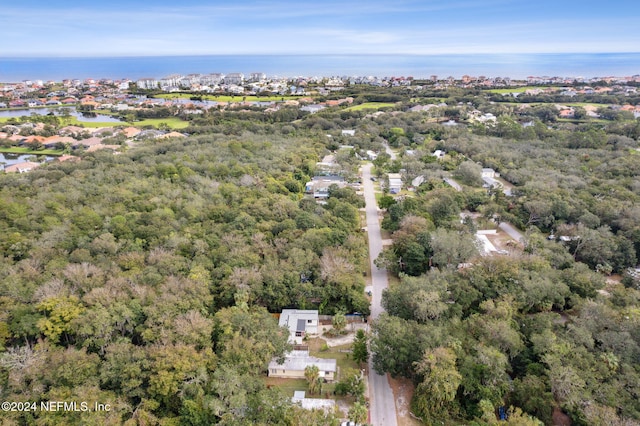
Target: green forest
x,y
148,280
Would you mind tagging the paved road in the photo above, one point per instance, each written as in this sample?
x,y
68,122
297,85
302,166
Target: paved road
x,y
382,403
512,231
389,151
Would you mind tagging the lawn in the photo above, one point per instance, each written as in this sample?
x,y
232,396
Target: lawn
x,y
218,98
586,104
370,105
172,122
516,89
19,150
287,386
343,359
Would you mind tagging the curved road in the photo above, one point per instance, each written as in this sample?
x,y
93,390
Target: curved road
x,y
382,402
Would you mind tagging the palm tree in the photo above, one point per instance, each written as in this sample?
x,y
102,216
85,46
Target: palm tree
x,y
312,374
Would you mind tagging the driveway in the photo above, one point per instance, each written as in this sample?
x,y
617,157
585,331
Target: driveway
x,y
382,403
512,231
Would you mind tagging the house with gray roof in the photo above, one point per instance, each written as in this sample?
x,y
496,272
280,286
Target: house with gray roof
x,y
300,323
295,363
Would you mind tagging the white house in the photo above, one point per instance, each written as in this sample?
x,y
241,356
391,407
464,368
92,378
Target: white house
x,y
300,323
439,154
313,403
25,167
395,183
490,173
295,363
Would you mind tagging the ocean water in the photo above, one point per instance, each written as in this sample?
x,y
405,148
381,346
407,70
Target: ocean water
x,y
418,66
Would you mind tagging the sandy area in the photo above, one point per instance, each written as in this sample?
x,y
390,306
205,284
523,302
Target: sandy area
x,y
403,392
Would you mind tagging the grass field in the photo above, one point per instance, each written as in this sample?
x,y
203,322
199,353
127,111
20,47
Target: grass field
x,y
239,98
287,386
516,89
19,150
370,105
586,104
174,123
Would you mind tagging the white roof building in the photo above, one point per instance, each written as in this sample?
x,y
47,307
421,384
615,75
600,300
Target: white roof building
x,y
300,323
395,183
295,363
312,403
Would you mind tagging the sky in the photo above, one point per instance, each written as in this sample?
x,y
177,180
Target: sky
x,y
70,28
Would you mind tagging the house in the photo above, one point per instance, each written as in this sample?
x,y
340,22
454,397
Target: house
x,y
417,181
300,323
567,113
490,173
319,185
295,363
52,141
25,167
313,403
485,246
87,143
312,108
348,133
131,131
395,183
439,154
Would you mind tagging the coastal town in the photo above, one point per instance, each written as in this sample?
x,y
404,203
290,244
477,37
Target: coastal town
x,y
328,241
124,102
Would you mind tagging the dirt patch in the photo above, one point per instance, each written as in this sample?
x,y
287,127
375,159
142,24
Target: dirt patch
x,y
559,418
502,241
315,344
346,338
403,392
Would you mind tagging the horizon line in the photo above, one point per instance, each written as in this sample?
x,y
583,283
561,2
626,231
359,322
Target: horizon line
x,y
178,55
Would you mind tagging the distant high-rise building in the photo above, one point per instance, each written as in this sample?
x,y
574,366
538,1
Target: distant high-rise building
x,y
257,76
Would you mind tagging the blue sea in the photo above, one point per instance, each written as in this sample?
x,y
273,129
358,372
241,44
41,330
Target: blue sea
x,y
419,66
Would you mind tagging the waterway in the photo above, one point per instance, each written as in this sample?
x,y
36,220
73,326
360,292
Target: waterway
x,y
98,118
8,159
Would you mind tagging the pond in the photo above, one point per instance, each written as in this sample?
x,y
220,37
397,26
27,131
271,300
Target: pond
x,y
93,117
7,159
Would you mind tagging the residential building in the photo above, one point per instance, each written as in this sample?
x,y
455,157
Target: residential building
x,y
319,185
395,183
257,76
295,363
148,83
25,167
234,78
490,173
313,403
300,323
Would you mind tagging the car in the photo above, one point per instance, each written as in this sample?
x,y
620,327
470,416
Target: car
x,y
373,179
349,423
